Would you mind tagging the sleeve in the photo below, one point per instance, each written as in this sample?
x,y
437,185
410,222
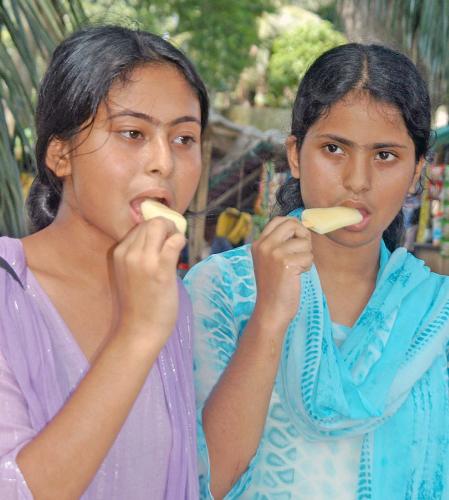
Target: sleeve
x,y
215,331
219,319
15,433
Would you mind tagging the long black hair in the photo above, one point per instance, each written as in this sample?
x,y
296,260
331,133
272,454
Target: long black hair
x,y
384,74
80,74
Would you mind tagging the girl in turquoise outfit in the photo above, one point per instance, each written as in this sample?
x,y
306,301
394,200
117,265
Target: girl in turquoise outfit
x,y
321,360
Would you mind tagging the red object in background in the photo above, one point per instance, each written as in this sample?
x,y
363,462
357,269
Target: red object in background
x,y
435,190
435,174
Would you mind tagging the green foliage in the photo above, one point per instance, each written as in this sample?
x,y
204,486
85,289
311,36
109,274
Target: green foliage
x,y
29,30
292,54
156,16
216,34
221,33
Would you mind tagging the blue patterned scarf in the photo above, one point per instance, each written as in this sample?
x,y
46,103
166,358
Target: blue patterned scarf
x,y
387,381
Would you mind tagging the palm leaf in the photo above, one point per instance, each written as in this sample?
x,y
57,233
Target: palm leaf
x,y
29,31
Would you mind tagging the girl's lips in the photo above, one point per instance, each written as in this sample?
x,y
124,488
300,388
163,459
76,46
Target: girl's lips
x,y
136,215
362,224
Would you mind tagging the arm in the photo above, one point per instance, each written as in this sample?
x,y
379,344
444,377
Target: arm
x,y
234,414
62,459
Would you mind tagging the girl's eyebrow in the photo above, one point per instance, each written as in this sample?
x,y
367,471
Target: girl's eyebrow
x,y
152,119
380,145
347,142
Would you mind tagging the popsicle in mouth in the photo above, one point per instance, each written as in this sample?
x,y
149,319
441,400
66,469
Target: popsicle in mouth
x,y
152,208
325,220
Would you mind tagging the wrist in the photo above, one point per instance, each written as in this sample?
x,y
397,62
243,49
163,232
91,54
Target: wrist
x,y
268,324
270,318
264,337
138,342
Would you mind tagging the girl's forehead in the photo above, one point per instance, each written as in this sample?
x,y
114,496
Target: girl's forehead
x,y
363,121
361,105
153,73
159,89
364,98
155,93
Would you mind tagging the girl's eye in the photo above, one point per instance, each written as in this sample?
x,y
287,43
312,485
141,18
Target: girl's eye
x,y
184,140
385,156
333,148
131,134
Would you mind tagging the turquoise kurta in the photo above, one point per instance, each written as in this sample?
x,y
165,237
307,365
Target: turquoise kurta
x,y
366,416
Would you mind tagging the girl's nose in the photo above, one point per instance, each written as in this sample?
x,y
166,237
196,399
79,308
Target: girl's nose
x,y
159,157
357,175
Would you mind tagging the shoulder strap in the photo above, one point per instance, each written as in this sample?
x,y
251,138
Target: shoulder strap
x,y
6,266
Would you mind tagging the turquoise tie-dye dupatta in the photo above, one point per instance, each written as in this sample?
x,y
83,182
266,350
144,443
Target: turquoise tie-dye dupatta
x,y
386,382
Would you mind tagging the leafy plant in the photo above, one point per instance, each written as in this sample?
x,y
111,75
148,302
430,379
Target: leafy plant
x,y
29,31
220,35
292,54
217,34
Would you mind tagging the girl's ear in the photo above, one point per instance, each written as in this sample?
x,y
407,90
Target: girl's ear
x,y
292,155
416,176
57,158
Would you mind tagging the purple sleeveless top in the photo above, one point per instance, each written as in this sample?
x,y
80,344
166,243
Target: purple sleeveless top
x,y
154,455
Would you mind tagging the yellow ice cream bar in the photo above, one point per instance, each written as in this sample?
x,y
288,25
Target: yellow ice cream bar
x,y
151,209
325,220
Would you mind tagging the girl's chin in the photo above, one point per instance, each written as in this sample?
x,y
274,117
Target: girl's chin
x,y
353,239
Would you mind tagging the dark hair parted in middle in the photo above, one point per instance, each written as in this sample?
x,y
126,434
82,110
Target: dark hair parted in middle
x,y
80,75
380,72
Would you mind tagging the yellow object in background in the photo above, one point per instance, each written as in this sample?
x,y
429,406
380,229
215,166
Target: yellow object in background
x,y
424,213
26,180
233,225
226,221
241,229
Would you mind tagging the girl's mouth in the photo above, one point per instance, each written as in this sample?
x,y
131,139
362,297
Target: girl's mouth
x,y
136,212
362,224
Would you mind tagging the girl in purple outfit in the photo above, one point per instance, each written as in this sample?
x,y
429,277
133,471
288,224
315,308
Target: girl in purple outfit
x,y
96,391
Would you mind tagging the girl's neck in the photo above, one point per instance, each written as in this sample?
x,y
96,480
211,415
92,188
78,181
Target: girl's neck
x,y
347,276
70,247
343,263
